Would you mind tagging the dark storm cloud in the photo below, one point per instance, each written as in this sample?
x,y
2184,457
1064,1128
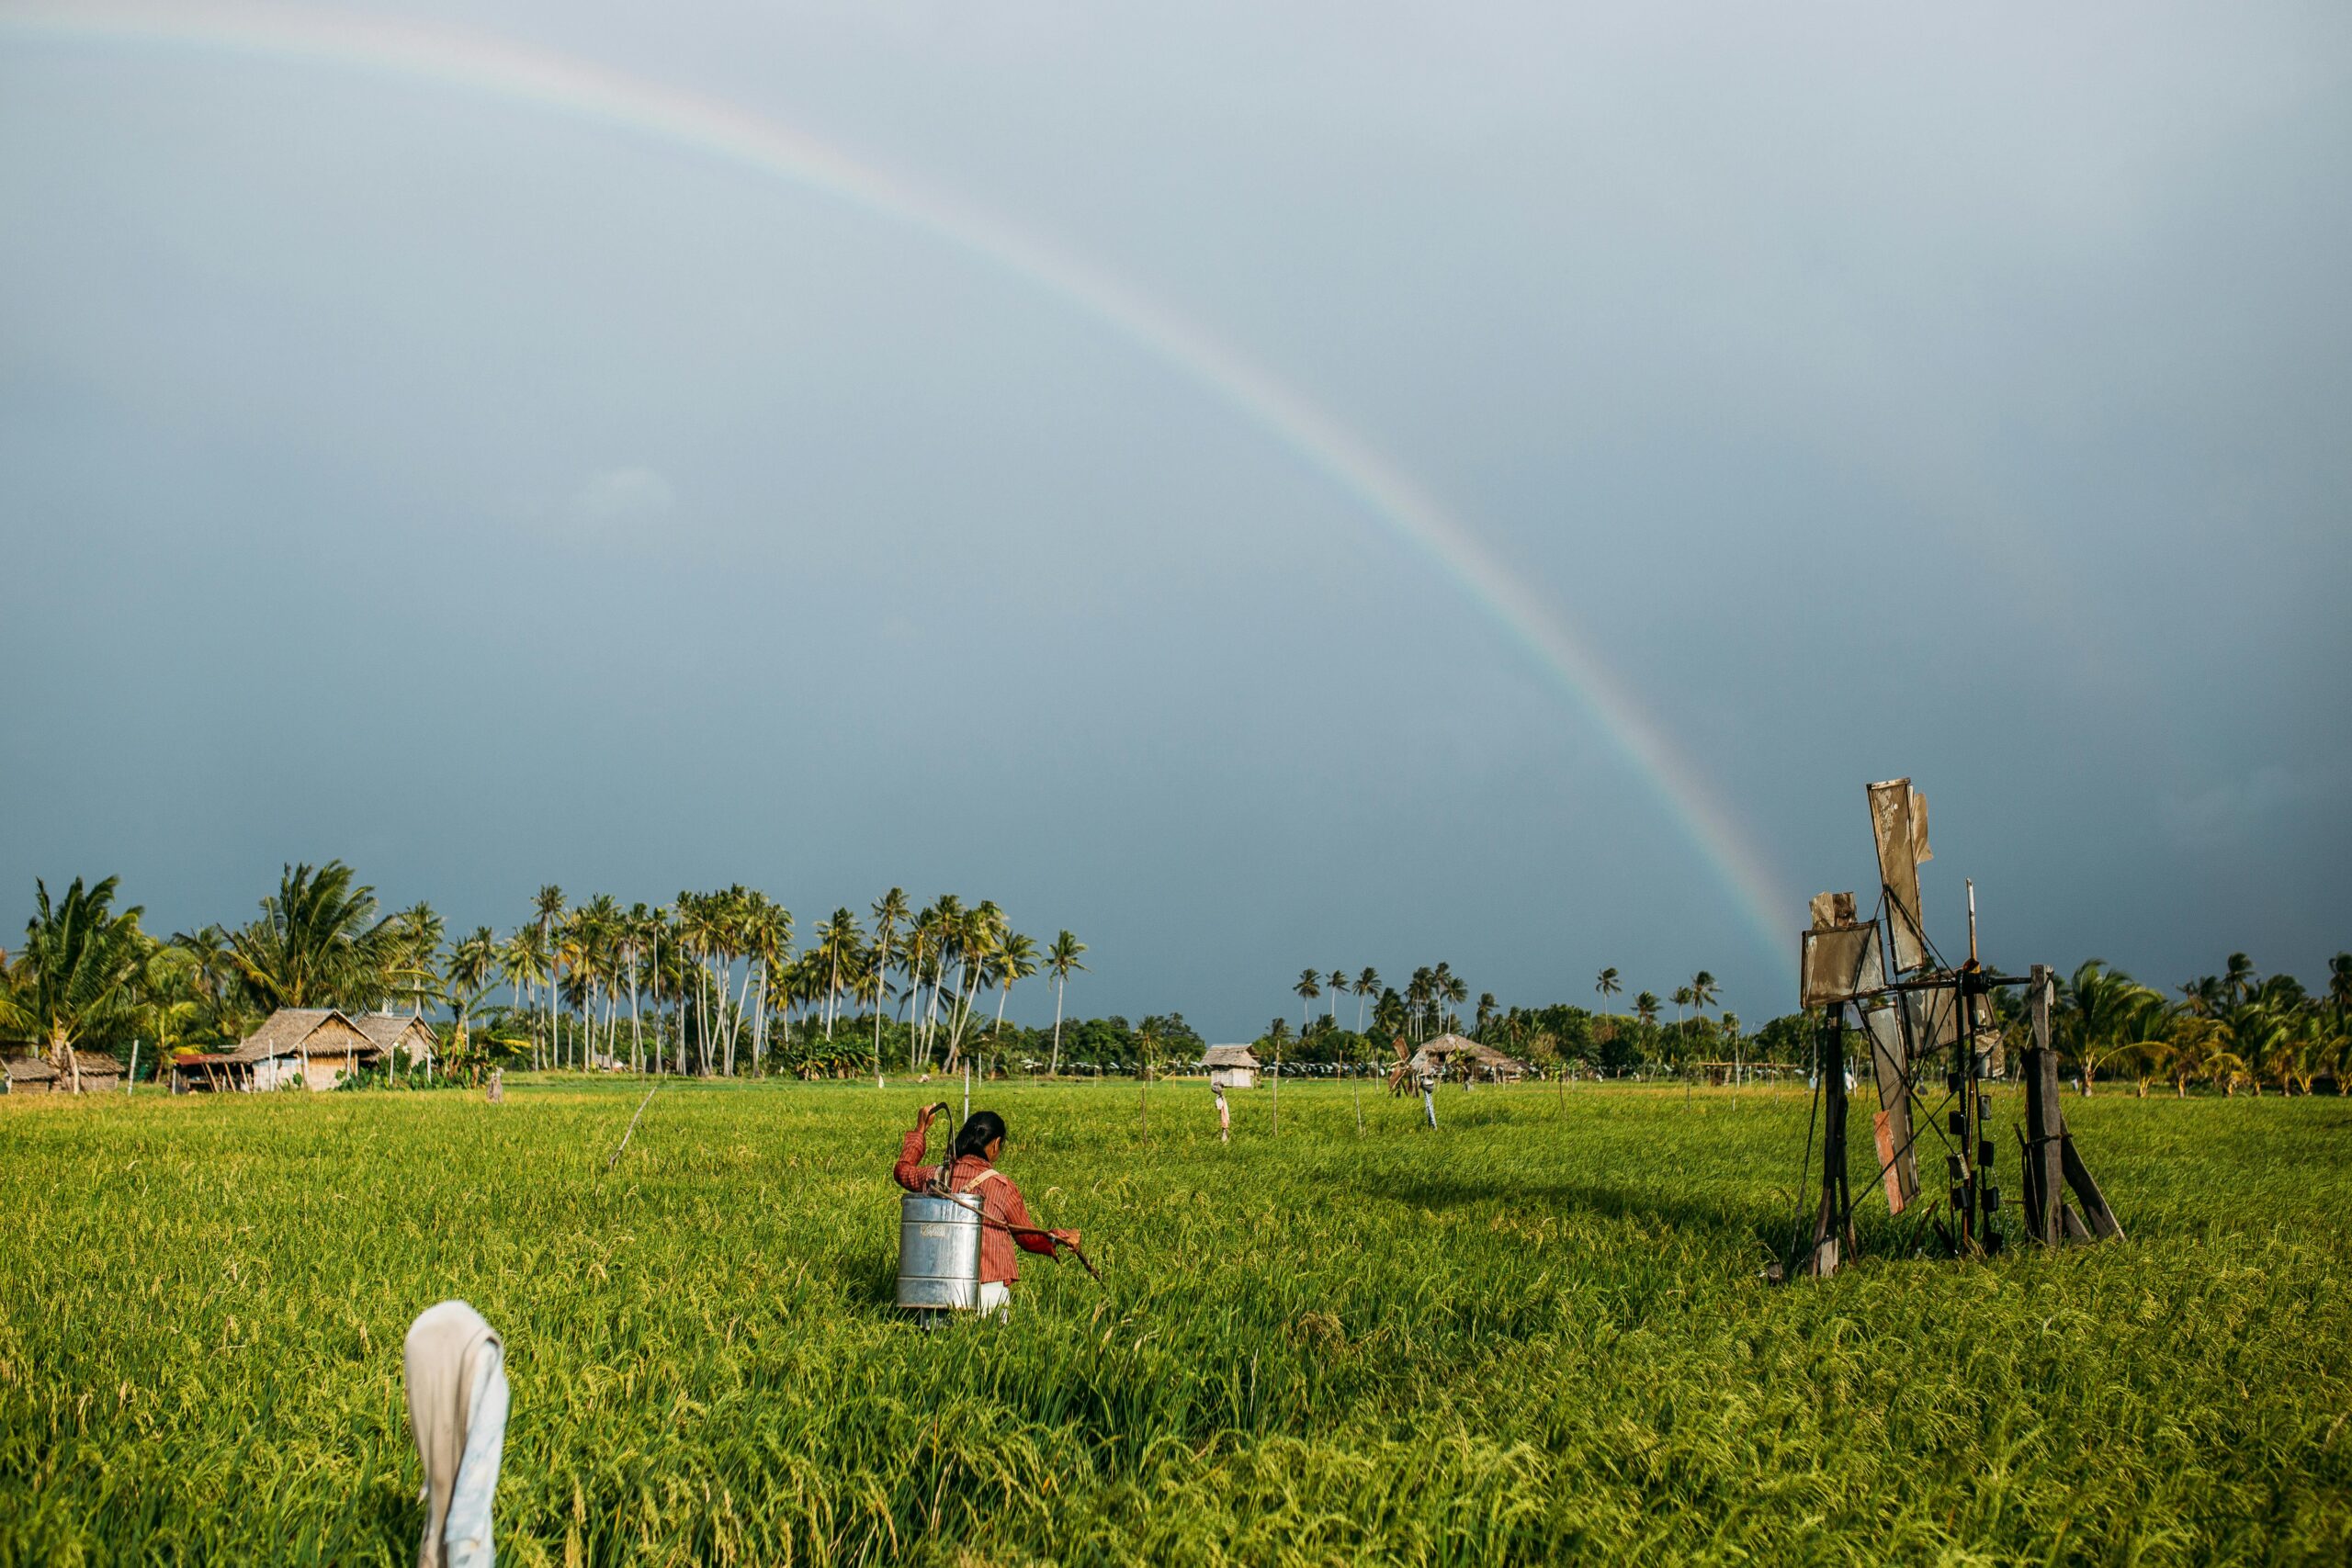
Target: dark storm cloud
x,y
490,498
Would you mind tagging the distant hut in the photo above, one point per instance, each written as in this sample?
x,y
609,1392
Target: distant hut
x,y
96,1072
93,1072
1453,1055
29,1075
316,1047
399,1034
199,1072
1230,1067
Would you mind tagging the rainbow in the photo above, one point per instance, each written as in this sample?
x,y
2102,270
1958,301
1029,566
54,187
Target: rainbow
x,y
579,89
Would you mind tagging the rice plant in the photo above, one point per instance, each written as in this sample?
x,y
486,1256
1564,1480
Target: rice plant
x,y
1540,1333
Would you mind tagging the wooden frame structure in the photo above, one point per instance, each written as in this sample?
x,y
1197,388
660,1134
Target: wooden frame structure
x,y
1925,1021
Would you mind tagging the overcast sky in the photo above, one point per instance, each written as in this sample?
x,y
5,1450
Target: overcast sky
x,y
490,495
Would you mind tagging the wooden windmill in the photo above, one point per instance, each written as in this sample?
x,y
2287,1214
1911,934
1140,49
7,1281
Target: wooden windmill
x,y
1934,1040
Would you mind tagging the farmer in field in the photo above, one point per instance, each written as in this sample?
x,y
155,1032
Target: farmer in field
x,y
971,1166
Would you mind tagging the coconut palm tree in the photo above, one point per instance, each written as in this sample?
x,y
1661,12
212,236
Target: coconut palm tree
x,y
224,1009
522,960
703,919
1148,1042
637,933
1016,959
1646,1007
2339,985
415,956
1367,986
1446,988
922,936
1704,992
473,967
944,925
1308,988
2101,1011
575,959
1061,962
2204,996
317,943
549,905
1485,1011
889,911
840,944
763,935
79,973
2237,978
1337,984
984,932
176,1001
2265,1030
872,988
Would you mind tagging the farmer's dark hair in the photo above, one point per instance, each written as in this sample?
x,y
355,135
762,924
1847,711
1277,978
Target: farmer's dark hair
x,y
979,1129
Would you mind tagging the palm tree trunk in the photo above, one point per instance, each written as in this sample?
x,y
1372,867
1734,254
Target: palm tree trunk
x,y
964,1017
742,1000
1060,986
931,1015
760,1026
881,983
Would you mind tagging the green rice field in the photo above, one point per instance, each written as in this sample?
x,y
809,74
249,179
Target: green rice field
x,y
1539,1333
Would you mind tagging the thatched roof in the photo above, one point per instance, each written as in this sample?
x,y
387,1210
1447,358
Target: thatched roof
x,y
94,1065
290,1030
388,1030
1453,1048
1217,1056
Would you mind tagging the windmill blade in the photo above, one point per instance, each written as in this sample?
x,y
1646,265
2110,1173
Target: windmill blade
x,y
1900,844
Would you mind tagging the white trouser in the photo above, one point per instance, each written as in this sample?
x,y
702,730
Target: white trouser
x,y
996,1300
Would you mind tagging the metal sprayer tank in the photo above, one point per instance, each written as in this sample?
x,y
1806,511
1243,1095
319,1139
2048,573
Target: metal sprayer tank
x,y
939,1252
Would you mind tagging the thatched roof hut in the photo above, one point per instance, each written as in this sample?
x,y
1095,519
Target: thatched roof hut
x,y
91,1072
1449,1056
99,1072
316,1047
1230,1067
29,1075
398,1031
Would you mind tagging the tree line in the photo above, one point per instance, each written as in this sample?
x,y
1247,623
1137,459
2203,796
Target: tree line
x,y
710,984
1557,1037
2238,1030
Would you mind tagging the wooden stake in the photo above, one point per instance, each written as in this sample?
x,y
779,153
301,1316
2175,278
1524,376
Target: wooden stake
x,y
2045,1126
632,1127
2078,1176
1833,1220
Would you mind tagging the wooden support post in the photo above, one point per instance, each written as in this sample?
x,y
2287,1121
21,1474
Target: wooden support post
x,y
2045,1127
1833,1222
2029,1184
1961,1126
2087,1192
